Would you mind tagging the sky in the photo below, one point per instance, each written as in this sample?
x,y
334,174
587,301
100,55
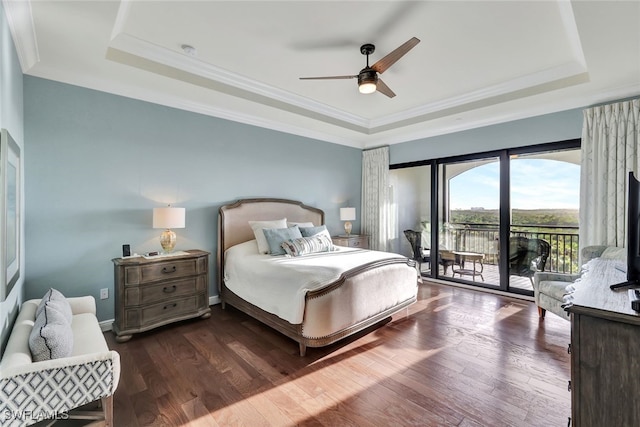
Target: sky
x,y
535,184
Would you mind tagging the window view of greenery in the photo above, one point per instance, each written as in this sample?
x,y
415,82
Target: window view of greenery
x,y
546,217
544,202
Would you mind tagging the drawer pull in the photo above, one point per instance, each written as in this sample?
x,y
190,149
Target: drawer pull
x,y
569,349
166,270
569,386
169,289
174,305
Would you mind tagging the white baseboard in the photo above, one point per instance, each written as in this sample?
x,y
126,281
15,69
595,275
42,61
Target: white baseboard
x,y
105,325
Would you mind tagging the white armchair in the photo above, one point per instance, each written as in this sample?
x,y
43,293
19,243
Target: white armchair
x,y
550,288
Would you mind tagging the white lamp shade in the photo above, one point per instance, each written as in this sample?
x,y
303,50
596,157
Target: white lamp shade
x,y
347,214
168,217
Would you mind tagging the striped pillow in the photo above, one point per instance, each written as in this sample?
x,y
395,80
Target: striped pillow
x,y
308,245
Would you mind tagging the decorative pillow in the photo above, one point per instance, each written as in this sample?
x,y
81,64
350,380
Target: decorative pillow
x,y
51,336
308,245
275,237
313,231
54,298
258,226
300,224
614,252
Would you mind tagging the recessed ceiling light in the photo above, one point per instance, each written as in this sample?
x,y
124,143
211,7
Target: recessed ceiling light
x,y
189,50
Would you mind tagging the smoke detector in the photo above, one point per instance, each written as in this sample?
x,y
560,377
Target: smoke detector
x,y
189,50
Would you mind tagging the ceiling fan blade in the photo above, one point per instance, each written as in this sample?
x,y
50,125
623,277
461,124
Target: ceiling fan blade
x,y
384,89
329,77
382,65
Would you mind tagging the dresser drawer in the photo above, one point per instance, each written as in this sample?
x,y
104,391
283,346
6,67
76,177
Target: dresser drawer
x,y
148,294
164,312
166,270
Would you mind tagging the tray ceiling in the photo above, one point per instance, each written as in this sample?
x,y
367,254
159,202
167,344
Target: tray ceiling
x,y
478,62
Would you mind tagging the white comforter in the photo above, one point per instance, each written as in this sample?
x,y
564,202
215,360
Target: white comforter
x,y
278,284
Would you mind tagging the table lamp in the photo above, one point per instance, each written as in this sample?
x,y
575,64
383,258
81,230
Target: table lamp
x,y
348,215
168,218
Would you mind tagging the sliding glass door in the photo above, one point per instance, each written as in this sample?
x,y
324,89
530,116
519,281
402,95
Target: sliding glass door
x,y
469,220
544,199
492,219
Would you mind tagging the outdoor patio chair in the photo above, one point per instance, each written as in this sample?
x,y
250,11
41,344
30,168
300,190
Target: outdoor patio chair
x,y
446,258
420,254
527,256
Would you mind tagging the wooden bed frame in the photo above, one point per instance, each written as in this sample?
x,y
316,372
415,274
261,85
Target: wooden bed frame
x,y
336,299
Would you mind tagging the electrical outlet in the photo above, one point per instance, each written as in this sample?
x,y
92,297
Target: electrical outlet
x,y
104,293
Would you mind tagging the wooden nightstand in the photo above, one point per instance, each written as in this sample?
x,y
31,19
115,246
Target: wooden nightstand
x,y
352,241
160,290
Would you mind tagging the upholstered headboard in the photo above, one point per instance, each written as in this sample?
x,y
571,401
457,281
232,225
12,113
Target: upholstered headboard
x,y
233,220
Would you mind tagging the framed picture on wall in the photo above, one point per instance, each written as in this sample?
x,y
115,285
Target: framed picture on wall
x,y
9,213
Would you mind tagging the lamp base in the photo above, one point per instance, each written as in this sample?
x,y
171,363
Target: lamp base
x,y
168,241
347,228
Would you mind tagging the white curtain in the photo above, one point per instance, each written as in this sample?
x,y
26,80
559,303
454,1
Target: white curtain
x,y
610,139
376,197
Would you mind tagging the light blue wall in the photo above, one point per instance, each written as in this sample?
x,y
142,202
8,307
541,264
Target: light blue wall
x,y
97,164
554,127
11,118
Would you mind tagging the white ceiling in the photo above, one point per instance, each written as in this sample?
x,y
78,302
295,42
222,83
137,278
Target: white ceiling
x,y
478,62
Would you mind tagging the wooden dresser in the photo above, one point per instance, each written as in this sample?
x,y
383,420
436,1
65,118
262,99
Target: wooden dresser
x,y
605,358
352,241
160,290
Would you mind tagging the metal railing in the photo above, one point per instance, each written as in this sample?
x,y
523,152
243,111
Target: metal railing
x,y
484,238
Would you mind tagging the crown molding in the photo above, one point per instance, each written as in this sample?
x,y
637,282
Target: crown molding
x,y
20,19
487,96
263,93
564,104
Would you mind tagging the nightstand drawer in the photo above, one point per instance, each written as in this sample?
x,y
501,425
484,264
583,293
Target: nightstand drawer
x,y
148,294
165,312
353,241
165,270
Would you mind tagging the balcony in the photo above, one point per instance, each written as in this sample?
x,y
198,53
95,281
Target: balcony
x,y
483,238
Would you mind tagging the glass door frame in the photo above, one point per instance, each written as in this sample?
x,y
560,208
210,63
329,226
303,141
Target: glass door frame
x,y
504,157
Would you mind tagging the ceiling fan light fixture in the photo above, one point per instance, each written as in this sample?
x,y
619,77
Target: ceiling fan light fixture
x,y
368,87
367,81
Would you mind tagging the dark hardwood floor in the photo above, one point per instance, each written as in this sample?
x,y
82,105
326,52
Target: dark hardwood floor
x,y
458,357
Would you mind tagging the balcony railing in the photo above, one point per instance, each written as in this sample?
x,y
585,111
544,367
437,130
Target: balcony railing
x,y
483,238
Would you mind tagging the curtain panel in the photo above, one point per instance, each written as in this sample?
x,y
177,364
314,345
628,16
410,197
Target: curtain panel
x,y
610,140
375,197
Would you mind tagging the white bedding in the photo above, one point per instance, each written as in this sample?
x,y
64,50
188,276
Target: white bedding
x,y
278,284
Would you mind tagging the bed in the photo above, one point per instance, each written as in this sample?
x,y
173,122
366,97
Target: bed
x,y
328,310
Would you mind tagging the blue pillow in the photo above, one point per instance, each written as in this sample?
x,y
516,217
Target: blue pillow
x,y
275,237
312,231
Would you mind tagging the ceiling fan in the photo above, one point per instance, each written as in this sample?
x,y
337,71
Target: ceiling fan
x,y
368,80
